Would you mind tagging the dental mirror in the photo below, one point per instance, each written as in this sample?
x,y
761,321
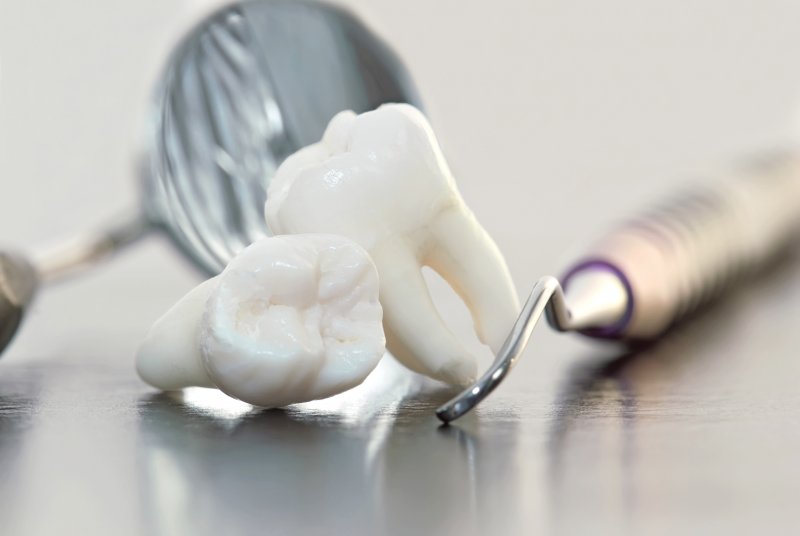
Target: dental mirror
x,y
248,86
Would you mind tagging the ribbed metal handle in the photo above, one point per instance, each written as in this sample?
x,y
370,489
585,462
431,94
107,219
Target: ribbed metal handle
x,y
685,252
669,261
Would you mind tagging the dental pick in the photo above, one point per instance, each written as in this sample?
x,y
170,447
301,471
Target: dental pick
x,y
659,267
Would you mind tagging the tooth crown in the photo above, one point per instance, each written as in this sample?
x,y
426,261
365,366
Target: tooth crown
x,y
291,319
371,177
380,179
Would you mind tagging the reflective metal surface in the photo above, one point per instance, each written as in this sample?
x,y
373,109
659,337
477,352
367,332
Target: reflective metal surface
x,y
546,297
695,434
249,86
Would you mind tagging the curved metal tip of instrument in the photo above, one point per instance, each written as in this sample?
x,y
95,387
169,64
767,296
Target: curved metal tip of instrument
x,y
546,297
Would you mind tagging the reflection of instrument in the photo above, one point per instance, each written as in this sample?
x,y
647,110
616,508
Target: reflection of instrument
x,y
656,269
247,87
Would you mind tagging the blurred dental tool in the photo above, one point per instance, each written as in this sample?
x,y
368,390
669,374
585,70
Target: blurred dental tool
x,y
17,285
245,88
657,268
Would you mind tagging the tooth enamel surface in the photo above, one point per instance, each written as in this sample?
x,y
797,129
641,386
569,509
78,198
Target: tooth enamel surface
x,y
169,358
380,179
291,319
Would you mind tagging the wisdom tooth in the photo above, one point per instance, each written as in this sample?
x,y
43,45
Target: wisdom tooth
x,y
380,179
291,319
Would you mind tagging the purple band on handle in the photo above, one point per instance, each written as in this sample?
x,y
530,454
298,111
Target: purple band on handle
x,y
615,330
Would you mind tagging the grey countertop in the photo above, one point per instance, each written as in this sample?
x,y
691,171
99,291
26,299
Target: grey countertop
x,y
609,105
696,434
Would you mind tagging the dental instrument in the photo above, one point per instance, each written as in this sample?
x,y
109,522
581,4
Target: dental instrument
x,y
659,267
239,93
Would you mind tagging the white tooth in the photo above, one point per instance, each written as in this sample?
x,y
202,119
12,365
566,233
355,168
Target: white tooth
x,y
169,358
380,179
291,319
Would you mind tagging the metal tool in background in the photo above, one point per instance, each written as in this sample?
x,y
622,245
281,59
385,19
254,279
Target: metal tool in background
x,y
659,267
248,86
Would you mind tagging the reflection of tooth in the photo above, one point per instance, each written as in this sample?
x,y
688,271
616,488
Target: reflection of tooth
x,y
291,319
380,179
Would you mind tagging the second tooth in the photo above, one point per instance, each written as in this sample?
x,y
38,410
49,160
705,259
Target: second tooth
x,y
290,319
380,179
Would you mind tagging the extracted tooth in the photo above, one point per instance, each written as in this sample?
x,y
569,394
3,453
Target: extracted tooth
x,y
380,179
291,319
169,358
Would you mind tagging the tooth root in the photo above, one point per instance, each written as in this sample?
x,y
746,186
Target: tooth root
x,y
169,358
416,335
464,254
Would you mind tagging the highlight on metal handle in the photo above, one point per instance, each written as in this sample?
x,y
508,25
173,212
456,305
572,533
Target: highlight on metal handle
x,y
546,297
85,251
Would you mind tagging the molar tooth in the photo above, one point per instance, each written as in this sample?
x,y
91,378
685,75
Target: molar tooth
x,y
380,179
290,319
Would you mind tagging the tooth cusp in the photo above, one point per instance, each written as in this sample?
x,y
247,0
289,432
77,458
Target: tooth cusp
x,y
290,319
